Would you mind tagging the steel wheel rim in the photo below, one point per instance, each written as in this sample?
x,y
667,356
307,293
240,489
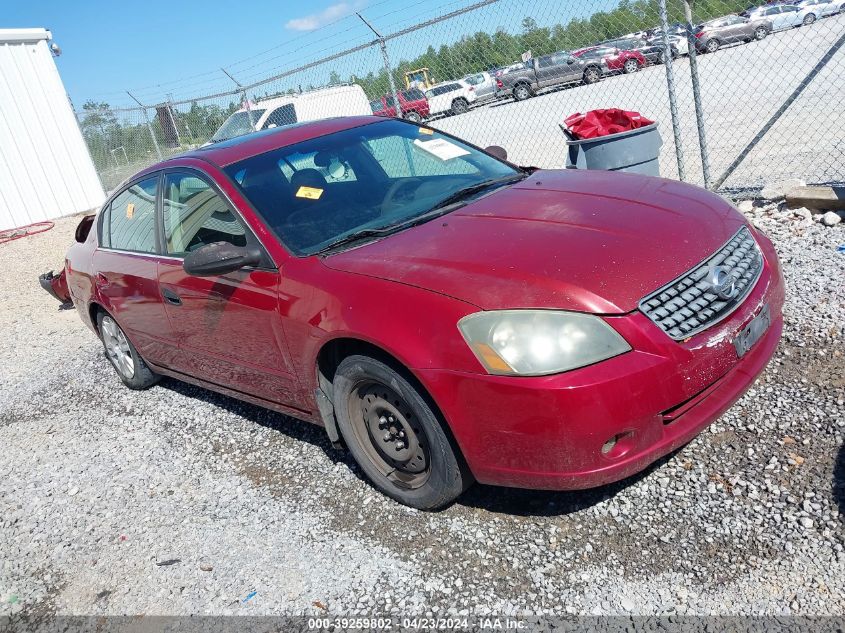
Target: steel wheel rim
x,y
117,348
390,434
521,92
761,33
592,75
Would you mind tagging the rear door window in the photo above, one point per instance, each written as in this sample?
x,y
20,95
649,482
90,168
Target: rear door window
x,y
129,224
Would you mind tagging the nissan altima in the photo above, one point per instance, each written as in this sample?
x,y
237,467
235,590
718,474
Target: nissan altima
x,y
446,315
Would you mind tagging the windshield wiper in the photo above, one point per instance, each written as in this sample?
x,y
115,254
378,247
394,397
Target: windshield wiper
x,y
441,208
466,192
358,236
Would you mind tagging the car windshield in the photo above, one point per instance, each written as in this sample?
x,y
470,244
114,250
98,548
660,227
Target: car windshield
x,y
377,178
238,124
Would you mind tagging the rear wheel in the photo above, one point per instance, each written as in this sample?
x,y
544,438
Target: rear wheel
x,y
631,66
123,356
809,19
459,106
712,45
521,92
760,33
591,75
413,116
394,435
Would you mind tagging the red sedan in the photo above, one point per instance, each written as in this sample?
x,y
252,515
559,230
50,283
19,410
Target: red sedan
x,y
412,103
444,314
617,59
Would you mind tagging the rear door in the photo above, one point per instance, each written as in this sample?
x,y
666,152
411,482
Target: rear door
x,y
228,326
126,270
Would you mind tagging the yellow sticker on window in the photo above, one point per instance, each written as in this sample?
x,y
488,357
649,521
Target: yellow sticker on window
x,y
312,193
130,210
425,130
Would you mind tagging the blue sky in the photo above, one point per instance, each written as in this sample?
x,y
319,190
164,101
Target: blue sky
x,y
177,47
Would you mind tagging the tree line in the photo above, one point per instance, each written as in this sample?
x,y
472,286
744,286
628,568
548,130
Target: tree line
x,y
108,137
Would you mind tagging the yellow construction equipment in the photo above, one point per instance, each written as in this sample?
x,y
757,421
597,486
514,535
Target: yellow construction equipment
x,y
419,78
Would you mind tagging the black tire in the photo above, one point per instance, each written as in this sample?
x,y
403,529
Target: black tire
x,y
712,45
630,66
760,33
421,468
130,367
459,106
809,19
522,91
592,74
413,116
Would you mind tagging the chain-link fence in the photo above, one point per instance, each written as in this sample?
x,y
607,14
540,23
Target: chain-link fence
x,y
749,95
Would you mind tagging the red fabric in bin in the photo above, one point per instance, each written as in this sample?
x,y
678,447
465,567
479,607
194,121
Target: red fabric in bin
x,y
597,123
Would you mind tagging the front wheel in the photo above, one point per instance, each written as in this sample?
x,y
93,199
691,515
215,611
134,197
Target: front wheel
x,y
395,436
760,33
631,66
123,356
809,19
413,116
591,75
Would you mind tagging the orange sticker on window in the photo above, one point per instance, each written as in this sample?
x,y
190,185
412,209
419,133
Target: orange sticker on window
x,y
312,193
425,130
130,210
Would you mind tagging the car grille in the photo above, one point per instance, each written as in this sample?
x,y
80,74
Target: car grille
x,y
689,304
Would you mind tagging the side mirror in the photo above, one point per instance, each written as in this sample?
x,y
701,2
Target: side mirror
x,y
499,152
220,258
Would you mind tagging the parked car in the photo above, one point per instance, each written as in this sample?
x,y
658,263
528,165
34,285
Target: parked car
x,y
549,71
677,33
443,314
323,103
651,51
484,84
783,16
678,46
822,8
412,103
450,97
614,59
498,72
731,29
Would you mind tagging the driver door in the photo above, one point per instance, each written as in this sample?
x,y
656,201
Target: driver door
x,y
228,326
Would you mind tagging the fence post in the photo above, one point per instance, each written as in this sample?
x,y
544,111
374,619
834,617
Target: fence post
x,y
696,96
387,66
670,82
149,126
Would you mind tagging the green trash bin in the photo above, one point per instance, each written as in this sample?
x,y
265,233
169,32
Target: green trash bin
x,y
636,151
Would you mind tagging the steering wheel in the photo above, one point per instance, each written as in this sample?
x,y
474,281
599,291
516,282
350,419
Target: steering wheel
x,y
390,201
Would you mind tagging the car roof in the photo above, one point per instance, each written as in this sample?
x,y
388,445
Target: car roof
x,y
240,147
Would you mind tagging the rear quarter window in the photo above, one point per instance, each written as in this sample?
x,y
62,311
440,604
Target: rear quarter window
x,y
129,222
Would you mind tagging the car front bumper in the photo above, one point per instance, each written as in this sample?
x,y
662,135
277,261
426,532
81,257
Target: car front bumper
x,y
605,422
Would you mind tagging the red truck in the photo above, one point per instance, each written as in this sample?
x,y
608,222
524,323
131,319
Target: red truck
x,y
412,102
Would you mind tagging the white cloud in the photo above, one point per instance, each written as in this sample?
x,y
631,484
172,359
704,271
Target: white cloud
x,y
316,20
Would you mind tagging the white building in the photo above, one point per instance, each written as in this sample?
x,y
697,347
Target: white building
x,y
45,168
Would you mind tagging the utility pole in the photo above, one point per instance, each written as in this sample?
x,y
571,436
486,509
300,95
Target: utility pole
x,y
149,126
696,95
387,65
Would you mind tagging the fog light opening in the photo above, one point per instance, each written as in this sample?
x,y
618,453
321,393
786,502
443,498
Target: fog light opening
x,y
618,445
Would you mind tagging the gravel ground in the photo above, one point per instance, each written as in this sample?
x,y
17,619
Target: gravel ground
x,y
180,501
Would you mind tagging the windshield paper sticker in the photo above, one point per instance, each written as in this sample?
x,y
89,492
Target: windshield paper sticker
x,y
441,148
312,193
425,130
130,210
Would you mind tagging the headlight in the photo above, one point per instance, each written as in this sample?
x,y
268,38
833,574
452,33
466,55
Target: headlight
x,y
538,342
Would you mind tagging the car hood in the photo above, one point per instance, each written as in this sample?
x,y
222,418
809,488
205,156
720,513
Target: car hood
x,y
573,240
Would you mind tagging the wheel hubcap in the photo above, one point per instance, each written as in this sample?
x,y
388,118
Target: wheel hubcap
x,y
632,66
117,348
390,434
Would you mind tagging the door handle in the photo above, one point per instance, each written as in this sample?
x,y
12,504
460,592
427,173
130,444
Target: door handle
x,y
171,297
